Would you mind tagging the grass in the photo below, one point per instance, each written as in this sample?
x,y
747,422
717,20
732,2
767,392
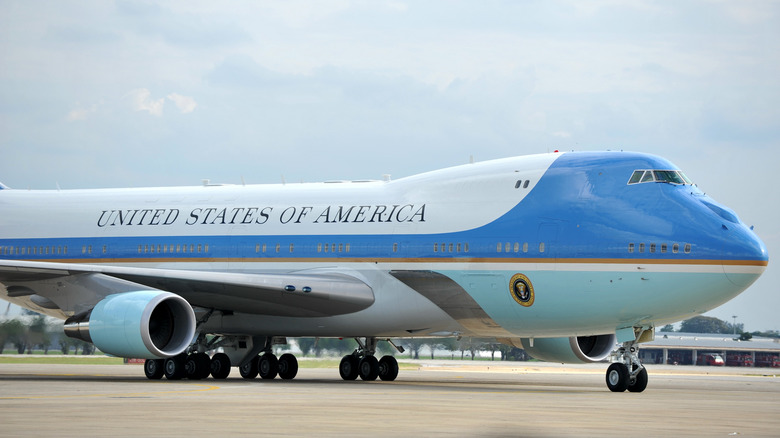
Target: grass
x,y
61,359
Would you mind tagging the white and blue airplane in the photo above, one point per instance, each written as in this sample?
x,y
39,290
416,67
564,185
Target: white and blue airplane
x,y
574,257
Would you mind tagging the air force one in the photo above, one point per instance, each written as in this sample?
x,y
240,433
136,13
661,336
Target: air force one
x,y
575,257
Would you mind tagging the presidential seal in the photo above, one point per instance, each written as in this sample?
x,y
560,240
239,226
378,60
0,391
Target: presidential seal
x,y
522,290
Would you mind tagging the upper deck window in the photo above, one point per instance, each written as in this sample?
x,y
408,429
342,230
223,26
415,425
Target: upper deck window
x,y
664,176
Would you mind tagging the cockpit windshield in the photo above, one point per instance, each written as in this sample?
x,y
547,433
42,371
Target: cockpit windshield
x,y
664,176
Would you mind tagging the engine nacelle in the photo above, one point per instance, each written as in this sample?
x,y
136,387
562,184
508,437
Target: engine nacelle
x,y
150,324
580,349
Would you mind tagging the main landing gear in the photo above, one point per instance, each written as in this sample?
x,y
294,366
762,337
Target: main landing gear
x,y
627,371
194,366
267,366
363,363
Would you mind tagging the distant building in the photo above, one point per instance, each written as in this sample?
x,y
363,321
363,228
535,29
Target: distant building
x,y
706,349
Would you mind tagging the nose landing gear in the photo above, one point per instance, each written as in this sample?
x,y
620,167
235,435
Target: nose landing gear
x,y
627,371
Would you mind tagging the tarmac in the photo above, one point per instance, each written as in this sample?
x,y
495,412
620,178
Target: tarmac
x,y
436,398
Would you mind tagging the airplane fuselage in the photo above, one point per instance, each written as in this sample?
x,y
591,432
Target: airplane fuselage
x,y
549,245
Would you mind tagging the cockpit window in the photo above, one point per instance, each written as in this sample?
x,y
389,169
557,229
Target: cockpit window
x,y
664,176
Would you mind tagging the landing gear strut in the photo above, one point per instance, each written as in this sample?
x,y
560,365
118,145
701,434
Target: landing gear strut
x,y
627,372
363,363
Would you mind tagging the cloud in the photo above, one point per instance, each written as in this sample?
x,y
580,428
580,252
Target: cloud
x,y
81,113
185,104
141,101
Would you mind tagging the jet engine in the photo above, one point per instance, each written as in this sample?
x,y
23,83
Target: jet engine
x,y
579,349
149,324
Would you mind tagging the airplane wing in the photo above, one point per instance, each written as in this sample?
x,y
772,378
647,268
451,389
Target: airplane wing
x,y
73,288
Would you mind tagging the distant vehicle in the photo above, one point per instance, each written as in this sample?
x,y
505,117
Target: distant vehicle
x,y
767,360
711,359
739,360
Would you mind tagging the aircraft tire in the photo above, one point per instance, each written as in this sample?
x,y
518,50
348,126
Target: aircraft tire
x,y
268,366
249,369
174,367
348,368
154,368
640,382
288,366
220,366
368,368
617,377
388,368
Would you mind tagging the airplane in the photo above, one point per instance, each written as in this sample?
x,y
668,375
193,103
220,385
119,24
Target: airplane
x,y
573,256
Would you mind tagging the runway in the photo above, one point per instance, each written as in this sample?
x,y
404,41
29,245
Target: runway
x,y
446,398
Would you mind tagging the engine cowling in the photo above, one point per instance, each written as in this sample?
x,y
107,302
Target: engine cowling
x,y
579,349
149,324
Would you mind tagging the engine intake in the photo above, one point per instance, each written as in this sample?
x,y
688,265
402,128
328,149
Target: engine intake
x,y
579,349
147,324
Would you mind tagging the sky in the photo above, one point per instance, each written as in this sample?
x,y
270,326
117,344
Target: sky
x,y
132,94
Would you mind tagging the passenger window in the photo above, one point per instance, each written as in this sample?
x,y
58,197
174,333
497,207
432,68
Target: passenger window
x,y
395,247
541,247
652,247
525,184
498,247
675,248
663,248
435,247
687,248
525,246
517,184
517,247
630,247
641,247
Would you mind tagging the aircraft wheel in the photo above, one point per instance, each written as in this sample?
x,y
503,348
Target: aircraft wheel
x,y
348,368
288,366
368,368
174,367
640,382
220,366
388,368
249,369
197,366
617,377
268,366
154,368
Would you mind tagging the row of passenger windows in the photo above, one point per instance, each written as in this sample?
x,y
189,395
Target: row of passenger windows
x,y
171,249
321,247
515,247
450,247
33,250
506,247
664,248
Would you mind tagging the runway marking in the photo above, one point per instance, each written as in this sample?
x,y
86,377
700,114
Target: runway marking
x,y
111,394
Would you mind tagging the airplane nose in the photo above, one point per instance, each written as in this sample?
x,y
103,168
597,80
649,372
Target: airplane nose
x,y
750,259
